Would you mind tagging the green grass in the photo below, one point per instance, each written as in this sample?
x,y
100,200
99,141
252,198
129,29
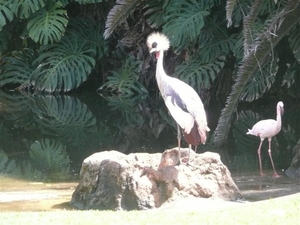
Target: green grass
x,y
284,210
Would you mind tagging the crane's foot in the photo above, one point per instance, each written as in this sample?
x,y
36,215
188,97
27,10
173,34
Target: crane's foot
x,y
275,175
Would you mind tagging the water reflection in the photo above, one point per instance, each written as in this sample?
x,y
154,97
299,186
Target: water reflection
x,y
46,137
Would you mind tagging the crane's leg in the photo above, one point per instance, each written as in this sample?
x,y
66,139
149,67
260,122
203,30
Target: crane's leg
x,y
196,148
179,142
259,157
190,146
275,175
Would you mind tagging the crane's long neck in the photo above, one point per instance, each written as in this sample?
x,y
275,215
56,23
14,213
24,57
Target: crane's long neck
x,y
161,75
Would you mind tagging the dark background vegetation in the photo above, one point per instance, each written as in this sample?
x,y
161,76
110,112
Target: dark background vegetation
x,y
238,55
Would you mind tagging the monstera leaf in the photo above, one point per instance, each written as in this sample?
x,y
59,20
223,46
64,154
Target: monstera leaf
x,y
63,66
21,169
18,67
199,75
185,19
48,24
26,8
64,116
50,157
6,13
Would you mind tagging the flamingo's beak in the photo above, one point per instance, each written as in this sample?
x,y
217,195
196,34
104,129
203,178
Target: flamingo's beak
x,y
281,110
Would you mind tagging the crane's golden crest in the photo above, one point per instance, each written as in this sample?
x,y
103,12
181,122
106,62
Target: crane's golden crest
x,y
157,42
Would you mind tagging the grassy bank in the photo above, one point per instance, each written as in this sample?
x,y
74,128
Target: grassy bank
x,y
283,210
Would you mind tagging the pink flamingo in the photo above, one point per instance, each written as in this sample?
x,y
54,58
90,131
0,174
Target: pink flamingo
x,y
267,129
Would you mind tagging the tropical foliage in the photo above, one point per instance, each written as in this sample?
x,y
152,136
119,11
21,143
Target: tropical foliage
x,y
236,51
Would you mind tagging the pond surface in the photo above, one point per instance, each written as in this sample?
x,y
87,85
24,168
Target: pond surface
x,y
45,138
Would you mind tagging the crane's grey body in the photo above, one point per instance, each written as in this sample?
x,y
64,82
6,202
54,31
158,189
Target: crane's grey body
x,y
182,101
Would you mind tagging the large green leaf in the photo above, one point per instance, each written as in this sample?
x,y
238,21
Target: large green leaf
x,y
91,31
48,24
26,8
18,67
63,66
185,20
6,13
50,157
64,116
199,75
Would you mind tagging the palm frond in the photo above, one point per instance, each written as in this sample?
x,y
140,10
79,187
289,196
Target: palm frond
x,y
286,19
248,26
48,24
116,16
63,66
230,5
184,21
261,81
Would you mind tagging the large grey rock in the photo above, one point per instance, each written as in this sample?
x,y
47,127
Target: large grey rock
x,y
113,180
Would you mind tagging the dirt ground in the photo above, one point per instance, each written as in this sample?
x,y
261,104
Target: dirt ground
x,y
24,196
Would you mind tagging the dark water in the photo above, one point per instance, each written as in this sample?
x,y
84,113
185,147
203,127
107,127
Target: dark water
x,y
46,137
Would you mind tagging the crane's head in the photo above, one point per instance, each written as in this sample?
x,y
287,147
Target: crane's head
x,y
157,42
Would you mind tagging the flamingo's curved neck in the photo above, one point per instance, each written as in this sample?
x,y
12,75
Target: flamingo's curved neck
x,y
278,117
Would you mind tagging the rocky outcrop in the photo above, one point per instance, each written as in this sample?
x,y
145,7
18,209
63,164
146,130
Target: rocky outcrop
x,y
113,180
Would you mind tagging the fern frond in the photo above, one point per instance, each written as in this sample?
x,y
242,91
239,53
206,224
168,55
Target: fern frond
x,y
116,16
184,21
124,80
